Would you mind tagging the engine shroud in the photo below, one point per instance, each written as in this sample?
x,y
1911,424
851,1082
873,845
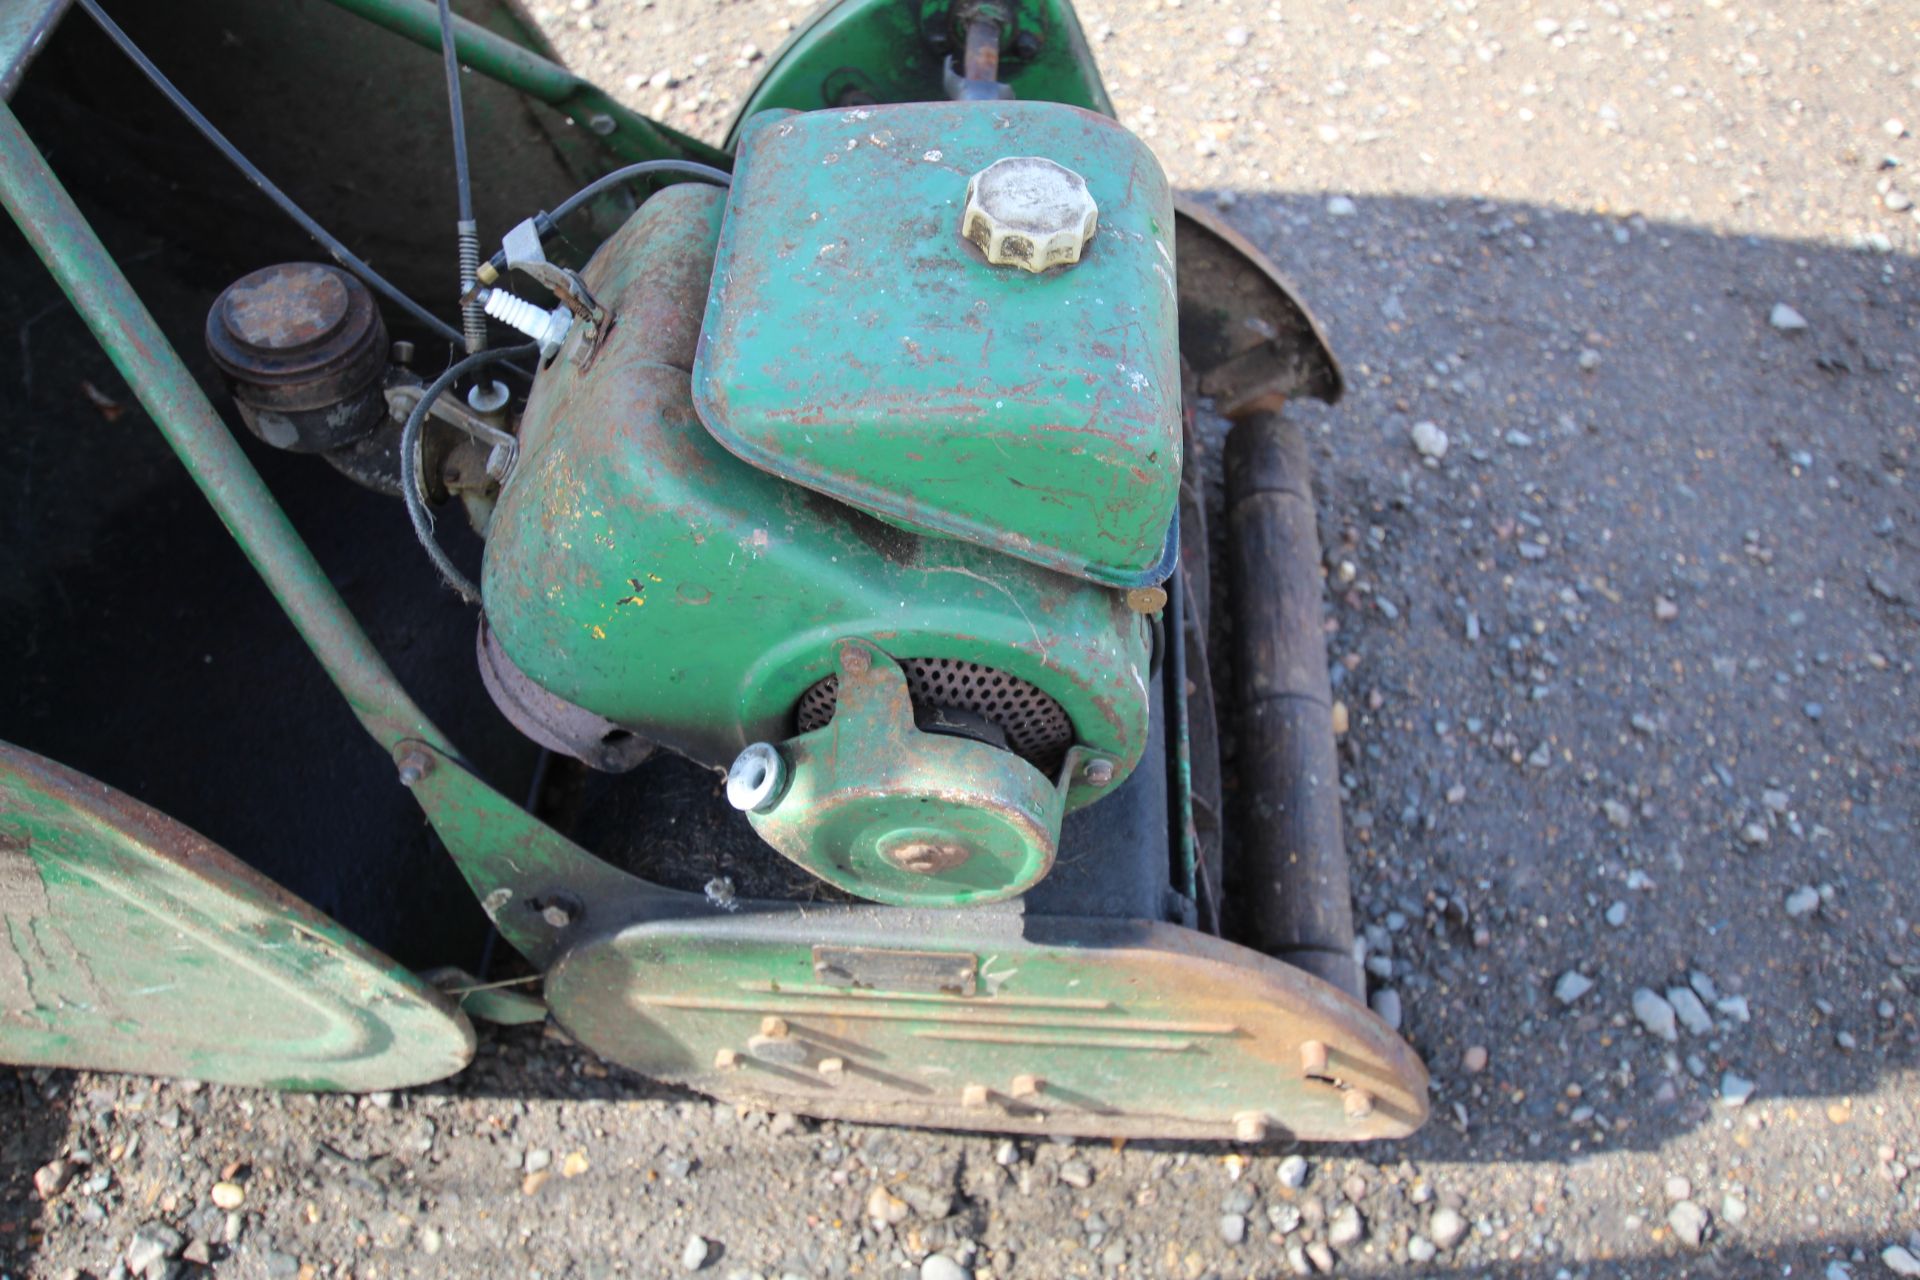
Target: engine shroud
x,y
637,569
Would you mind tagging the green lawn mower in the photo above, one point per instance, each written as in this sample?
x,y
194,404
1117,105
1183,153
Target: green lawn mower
x,y
872,593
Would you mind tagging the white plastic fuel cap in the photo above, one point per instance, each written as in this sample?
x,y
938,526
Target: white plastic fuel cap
x,y
1027,211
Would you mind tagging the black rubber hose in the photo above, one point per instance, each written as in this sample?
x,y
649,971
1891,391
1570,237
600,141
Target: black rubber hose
x,y
410,462
345,256
545,222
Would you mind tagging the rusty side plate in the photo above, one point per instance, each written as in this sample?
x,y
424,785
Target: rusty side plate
x,y
1089,1028
129,943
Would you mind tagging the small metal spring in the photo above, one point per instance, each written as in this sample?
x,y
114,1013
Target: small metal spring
x,y
473,321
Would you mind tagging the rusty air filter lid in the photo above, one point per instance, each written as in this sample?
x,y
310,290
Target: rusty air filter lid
x,y
297,335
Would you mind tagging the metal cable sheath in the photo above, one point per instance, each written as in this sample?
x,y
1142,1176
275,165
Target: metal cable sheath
x,y
346,257
410,462
545,222
473,321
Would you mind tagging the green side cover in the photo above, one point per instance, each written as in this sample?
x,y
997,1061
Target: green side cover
x,y
129,943
857,344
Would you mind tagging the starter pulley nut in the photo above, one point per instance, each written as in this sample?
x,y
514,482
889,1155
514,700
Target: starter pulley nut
x,y
1027,211
757,778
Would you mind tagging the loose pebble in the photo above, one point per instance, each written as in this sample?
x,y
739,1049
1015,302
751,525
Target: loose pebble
x,y
1735,1089
1293,1172
694,1256
1655,1014
938,1266
1900,1260
1571,986
1689,1223
1429,440
1446,1227
1786,319
1803,901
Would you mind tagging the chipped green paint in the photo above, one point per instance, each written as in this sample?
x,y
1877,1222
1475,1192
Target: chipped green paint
x,y
858,344
129,943
636,568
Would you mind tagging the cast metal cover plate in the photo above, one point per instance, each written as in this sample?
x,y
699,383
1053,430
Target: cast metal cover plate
x,y
129,943
1077,1027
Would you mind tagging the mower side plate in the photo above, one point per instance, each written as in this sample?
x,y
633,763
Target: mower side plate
x,y
129,943
990,1021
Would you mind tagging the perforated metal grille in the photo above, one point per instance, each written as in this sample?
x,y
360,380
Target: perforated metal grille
x,y
1037,728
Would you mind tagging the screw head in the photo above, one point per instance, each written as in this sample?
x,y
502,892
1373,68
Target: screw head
x,y
1099,772
921,854
855,660
1029,212
1359,1104
1250,1126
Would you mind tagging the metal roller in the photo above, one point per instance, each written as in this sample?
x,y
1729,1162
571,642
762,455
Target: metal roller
x,y
1291,868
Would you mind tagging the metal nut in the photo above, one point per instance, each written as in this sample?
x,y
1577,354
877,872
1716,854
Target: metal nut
x,y
1027,211
415,764
757,779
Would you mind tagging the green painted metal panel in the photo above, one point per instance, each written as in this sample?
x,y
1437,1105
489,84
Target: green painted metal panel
x,y
858,344
882,809
858,52
636,568
984,1019
129,943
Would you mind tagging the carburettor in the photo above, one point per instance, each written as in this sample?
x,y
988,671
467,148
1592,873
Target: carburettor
x,y
865,487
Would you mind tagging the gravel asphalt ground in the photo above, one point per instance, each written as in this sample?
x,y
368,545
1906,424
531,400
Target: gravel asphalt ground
x,y
1624,567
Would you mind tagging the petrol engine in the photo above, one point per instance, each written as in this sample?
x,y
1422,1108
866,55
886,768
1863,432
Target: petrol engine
x,y
863,488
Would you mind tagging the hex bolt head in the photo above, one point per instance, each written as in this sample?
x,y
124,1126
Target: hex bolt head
x,y
1359,1104
773,1028
974,1096
1028,212
1027,1086
1099,772
556,915
1250,1126
1313,1058
855,660
415,764
832,1067
726,1060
